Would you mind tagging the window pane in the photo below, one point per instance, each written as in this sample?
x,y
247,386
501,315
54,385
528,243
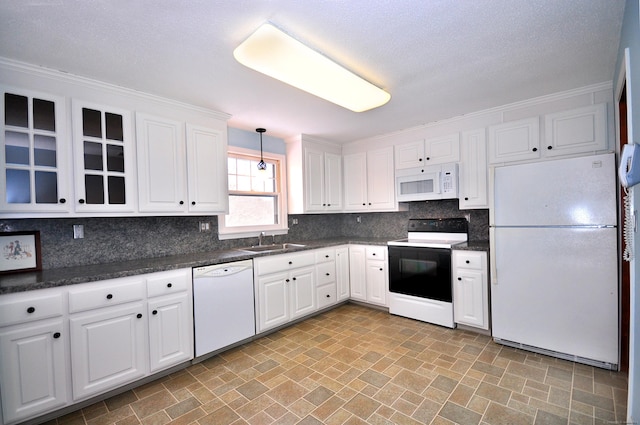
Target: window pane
x,y
94,188
252,211
116,190
92,156
243,167
18,187
244,184
115,158
114,126
46,187
231,165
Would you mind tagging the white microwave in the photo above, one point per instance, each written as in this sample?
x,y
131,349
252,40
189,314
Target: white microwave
x,y
427,183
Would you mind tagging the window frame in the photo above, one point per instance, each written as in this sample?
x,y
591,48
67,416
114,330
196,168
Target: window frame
x,y
282,228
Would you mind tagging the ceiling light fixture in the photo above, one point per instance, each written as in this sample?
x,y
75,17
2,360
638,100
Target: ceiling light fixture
x,y
262,166
278,55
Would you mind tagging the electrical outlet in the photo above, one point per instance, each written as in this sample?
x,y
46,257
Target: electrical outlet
x,y
358,219
204,226
78,231
294,221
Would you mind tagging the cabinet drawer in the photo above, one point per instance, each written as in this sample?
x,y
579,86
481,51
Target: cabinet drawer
x,y
327,295
325,255
469,260
376,252
165,283
30,306
279,263
326,273
105,294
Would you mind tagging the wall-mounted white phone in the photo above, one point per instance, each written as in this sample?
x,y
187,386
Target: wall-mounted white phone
x,y
629,173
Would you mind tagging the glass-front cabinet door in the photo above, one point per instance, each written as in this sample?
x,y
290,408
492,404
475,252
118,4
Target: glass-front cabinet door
x,y
103,146
33,153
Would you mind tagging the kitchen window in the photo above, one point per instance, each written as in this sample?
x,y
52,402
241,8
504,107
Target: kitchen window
x,y
256,198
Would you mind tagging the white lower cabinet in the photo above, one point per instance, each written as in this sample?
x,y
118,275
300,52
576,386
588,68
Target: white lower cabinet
x,y
66,344
342,273
285,296
108,348
34,354
470,288
368,274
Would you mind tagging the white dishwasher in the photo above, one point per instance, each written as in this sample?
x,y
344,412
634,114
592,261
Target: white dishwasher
x,y
223,305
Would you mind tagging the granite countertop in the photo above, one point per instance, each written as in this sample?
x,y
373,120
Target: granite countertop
x,y
473,246
20,282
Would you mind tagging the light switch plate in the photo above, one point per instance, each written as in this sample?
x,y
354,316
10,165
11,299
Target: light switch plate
x,y
78,231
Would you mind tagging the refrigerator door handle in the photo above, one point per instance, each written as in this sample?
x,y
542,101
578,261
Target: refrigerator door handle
x,y
492,255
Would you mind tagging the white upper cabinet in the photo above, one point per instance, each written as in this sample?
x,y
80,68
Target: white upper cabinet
x,y
369,181
103,146
437,150
169,180
161,164
33,153
576,131
514,141
207,170
314,176
473,170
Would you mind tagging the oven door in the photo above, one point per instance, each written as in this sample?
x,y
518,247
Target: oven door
x,y
420,272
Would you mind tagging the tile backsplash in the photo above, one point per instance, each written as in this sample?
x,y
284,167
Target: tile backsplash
x,y
127,238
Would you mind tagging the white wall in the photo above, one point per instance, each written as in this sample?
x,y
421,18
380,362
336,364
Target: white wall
x,y
630,38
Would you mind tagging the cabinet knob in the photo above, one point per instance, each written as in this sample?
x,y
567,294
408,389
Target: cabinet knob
x,y
549,147
169,285
328,274
181,202
467,261
459,278
31,310
154,312
290,262
109,296
428,158
466,198
328,296
56,335
62,200
381,269
193,202
369,203
535,149
420,159
326,256
286,280
294,278
364,203
328,205
374,254
81,201
139,316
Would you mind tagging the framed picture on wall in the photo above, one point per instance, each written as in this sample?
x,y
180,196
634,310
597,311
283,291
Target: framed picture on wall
x,y
20,252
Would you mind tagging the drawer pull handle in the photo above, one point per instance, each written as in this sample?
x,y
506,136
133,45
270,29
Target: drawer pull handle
x,y
139,315
109,296
56,335
31,310
154,312
169,285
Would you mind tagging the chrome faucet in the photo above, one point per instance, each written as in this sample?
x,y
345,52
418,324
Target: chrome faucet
x,y
260,236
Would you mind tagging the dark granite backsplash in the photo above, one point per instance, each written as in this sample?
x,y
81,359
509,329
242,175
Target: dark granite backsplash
x,y
126,238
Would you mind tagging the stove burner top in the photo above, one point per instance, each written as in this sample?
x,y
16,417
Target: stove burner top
x,y
434,233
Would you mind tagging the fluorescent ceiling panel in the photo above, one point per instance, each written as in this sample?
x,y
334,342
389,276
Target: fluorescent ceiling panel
x,y
278,55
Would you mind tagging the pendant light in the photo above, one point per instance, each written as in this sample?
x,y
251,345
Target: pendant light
x,y
262,166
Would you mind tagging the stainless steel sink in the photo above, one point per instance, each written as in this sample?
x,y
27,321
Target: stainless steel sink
x,y
272,248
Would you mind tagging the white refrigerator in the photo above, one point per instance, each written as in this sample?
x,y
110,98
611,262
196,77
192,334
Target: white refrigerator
x,y
554,283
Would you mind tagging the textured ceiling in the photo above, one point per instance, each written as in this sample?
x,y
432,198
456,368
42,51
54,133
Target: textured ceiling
x,y
437,58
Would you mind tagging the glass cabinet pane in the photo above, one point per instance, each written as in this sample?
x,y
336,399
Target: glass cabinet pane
x,y
44,150
114,126
92,156
94,189
16,110
115,158
18,187
91,123
44,115
16,148
46,187
116,190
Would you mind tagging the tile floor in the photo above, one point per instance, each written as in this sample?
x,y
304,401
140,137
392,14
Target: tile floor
x,y
356,365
